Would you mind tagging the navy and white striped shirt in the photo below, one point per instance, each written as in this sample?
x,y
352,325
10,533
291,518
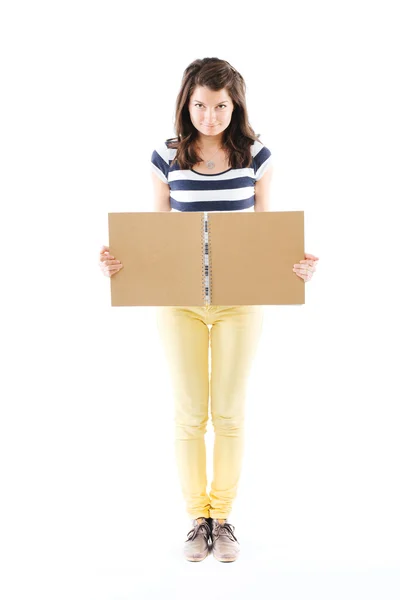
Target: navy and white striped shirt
x,y
191,191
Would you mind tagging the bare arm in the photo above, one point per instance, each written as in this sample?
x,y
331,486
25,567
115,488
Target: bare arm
x,y
262,191
161,195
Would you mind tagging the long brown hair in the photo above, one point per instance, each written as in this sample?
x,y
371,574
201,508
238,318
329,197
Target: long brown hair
x,y
238,137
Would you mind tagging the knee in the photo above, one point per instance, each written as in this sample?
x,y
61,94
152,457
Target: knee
x,y
227,424
190,428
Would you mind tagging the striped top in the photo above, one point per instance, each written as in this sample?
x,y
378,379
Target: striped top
x,y
191,191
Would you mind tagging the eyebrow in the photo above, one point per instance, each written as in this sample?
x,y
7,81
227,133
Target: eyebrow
x,y
222,102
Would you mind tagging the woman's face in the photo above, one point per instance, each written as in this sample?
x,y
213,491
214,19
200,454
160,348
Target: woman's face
x,y
210,111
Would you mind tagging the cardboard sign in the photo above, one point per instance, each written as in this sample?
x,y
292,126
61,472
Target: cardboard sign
x,y
200,258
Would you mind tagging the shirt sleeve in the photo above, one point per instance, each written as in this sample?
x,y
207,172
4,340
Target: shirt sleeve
x,y
262,160
160,162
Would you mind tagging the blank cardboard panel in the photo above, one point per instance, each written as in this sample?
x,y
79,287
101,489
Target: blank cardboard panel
x,y
250,257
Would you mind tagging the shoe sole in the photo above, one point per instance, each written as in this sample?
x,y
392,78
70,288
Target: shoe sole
x,y
197,558
226,559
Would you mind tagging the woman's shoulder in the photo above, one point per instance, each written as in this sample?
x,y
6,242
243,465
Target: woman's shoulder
x,y
261,158
166,148
162,156
258,146
163,148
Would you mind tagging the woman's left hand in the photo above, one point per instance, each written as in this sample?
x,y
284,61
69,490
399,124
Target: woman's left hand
x,y
307,267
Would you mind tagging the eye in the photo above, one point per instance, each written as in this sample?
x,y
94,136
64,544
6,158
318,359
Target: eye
x,y
198,104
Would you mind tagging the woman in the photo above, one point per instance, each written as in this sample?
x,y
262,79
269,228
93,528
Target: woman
x,y
215,163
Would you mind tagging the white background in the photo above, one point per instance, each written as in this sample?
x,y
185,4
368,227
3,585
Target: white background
x,y
91,506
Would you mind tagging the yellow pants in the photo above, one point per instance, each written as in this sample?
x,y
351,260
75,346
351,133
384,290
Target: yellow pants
x,y
233,337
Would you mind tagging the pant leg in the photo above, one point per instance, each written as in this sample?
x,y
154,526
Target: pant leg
x,y
185,337
235,335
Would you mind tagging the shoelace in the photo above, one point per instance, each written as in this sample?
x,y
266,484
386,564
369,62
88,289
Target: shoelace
x,y
224,529
203,525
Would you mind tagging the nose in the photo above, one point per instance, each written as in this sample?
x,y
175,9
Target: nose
x,y
209,118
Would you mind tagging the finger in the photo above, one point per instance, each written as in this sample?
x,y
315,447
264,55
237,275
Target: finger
x,y
303,272
107,260
308,255
105,266
308,262
104,249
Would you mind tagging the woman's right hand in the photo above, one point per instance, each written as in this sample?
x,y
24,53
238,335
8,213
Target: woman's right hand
x,y
109,264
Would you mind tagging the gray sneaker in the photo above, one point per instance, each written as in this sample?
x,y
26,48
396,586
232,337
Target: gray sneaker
x,y
196,547
225,546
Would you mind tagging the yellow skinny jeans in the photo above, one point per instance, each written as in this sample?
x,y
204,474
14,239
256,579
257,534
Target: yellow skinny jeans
x,y
233,336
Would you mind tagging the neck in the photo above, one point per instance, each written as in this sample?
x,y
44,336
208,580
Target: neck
x,y
209,143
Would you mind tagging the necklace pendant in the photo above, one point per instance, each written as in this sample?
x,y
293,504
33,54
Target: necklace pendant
x,y
210,164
